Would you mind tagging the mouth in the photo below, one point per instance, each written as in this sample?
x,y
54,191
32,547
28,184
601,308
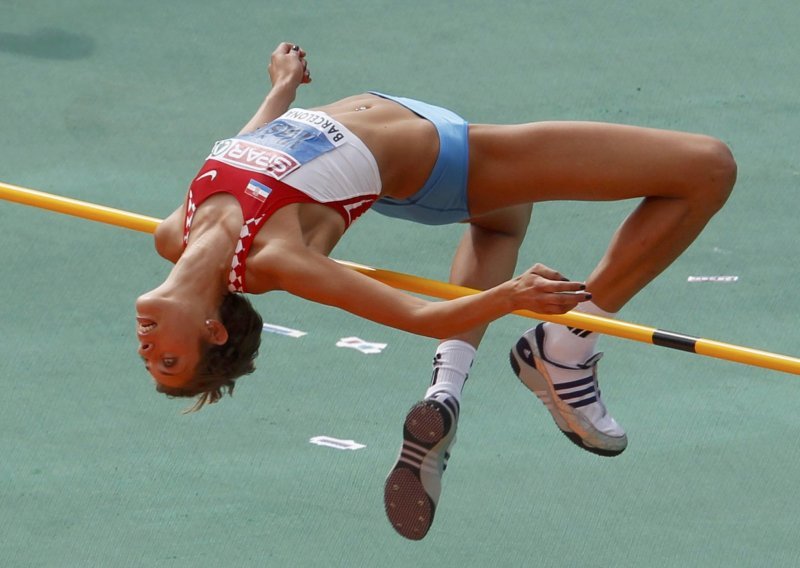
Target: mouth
x,y
145,325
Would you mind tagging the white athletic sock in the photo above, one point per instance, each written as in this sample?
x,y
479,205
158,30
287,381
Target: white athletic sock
x,y
451,366
572,346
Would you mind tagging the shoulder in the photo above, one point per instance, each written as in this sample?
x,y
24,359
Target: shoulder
x,y
168,236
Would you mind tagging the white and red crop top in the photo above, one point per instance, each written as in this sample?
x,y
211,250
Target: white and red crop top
x,y
301,157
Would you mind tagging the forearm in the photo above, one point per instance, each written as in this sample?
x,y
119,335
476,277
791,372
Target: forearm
x,y
277,102
437,319
315,277
322,280
455,317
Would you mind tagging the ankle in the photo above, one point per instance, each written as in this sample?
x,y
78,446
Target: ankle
x,y
451,366
573,346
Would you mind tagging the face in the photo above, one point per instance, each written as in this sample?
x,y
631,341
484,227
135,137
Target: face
x,y
170,337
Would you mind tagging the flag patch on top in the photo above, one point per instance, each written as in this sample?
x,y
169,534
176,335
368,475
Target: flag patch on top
x,y
257,190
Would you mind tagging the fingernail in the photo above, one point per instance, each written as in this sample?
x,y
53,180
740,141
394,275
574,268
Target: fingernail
x,y
583,287
588,296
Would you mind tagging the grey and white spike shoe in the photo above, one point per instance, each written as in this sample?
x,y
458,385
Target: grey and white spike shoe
x,y
576,406
413,486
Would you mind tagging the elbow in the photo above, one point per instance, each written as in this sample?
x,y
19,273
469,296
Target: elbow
x,y
160,247
158,243
165,248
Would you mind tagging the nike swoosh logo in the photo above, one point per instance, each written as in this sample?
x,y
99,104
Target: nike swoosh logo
x,y
210,173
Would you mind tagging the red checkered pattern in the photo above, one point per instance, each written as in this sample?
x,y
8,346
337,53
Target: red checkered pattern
x,y
246,236
216,177
190,210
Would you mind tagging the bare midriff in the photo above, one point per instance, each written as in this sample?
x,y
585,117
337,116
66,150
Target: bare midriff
x,y
404,144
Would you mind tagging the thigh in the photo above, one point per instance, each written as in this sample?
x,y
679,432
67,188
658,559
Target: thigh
x,y
512,164
508,222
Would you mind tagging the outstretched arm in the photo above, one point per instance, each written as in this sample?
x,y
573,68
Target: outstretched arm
x,y
287,71
316,277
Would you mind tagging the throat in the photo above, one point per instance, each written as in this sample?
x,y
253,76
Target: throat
x,y
204,265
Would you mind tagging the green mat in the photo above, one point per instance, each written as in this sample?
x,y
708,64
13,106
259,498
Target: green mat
x,y
118,103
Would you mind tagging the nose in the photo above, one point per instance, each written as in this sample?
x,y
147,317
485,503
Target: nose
x,y
144,348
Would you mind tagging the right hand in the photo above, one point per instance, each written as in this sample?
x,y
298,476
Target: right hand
x,y
541,289
288,65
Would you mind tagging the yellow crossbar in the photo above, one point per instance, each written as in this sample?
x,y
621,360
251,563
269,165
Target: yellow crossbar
x,y
436,289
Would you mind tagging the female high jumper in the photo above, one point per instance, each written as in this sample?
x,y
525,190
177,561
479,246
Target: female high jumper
x,y
269,205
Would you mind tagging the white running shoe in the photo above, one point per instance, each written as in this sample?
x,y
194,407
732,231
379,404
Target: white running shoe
x,y
576,406
412,488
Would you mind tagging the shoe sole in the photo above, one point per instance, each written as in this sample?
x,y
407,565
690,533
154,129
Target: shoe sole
x,y
544,391
410,506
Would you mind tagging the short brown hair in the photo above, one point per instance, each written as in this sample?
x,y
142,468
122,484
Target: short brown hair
x,y
221,365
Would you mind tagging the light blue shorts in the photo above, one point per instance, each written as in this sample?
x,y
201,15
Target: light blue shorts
x,y
443,198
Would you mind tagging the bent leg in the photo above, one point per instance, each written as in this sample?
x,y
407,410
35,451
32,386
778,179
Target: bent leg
x,y
485,257
683,178
487,254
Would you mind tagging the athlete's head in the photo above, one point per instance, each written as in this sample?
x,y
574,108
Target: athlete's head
x,y
189,354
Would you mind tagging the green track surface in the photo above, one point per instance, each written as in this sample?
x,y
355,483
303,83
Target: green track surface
x,y
118,103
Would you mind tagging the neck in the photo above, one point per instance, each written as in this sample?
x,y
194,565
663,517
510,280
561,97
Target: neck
x,y
201,272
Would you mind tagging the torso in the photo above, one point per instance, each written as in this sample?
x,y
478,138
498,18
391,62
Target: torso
x,y
405,147
404,144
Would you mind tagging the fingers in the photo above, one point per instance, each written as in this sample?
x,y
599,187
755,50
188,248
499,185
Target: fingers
x,y
298,50
283,48
547,272
285,60
287,47
538,300
554,281
568,301
301,53
550,292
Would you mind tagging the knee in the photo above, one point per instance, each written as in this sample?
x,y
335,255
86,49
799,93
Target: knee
x,y
717,169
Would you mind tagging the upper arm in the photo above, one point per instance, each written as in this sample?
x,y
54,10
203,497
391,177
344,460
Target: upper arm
x,y
168,236
315,277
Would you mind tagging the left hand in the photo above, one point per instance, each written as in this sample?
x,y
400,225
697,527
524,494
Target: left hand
x,y
288,65
547,291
